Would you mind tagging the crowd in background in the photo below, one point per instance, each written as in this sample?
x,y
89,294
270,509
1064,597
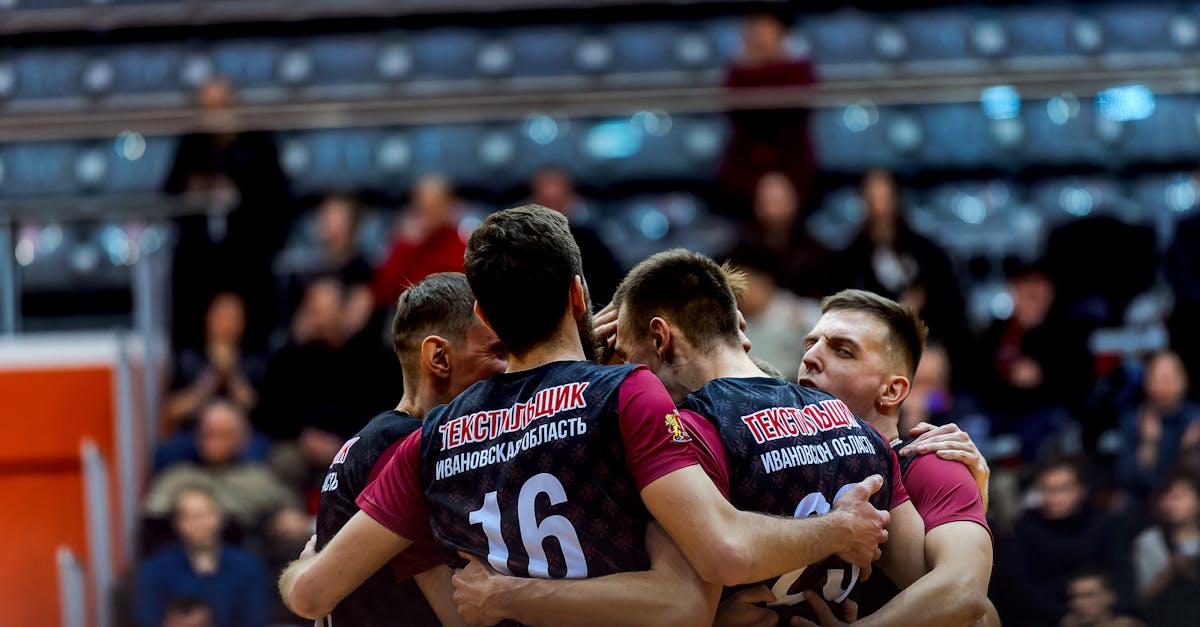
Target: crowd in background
x,y
1095,497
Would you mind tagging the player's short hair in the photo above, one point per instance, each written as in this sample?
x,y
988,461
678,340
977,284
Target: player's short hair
x,y
521,264
440,304
906,331
688,289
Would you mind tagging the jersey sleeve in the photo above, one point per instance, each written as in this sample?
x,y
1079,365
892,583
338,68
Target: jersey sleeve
x,y
656,441
899,492
394,499
943,492
710,450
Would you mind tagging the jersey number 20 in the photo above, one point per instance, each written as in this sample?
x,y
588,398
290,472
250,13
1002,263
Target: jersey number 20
x,y
533,533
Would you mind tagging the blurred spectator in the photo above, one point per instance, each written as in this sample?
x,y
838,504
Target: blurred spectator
x,y
1183,271
1092,602
1160,428
934,400
1095,286
427,241
220,368
767,140
231,582
1050,543
217,170
317,389
1035,367
1167,556
799,263
889,258
776,319
188,613
338,219
555,189
248,492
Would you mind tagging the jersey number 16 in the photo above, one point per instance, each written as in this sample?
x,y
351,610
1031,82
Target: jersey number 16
x,y
533,533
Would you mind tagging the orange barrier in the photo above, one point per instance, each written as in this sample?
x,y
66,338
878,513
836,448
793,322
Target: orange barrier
x,y
58,392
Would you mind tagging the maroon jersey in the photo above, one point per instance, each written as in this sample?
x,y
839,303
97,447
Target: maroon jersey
x,y
791,451
539,471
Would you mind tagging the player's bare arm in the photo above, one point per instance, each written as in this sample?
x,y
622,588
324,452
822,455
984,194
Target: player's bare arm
x,y
954,592
903,559
670,591
435,585
951,443
312,586
732,547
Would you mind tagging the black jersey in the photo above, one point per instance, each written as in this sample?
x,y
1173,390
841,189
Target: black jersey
x,y
528,456
792,451
380,600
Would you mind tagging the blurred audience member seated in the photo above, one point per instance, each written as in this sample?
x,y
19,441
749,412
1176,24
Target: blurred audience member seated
x,y
338,219
777,320
220,367
1095,284
427,241
1156,432
317,389
933,399
188,613
200,573
554,188
1061,535
1167,556
248,492
799,263
1092,602
1034,367
767,140
890,258
227,169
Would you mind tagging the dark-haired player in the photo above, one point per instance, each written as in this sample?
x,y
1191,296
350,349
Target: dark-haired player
x,y
777,448
442,348
561,448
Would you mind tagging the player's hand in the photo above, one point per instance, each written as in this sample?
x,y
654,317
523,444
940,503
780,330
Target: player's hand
x,y
605,325
952,444
862,526
478,592
742,609
825,614
310,548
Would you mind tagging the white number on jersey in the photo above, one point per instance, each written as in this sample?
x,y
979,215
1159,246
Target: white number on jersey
x,y
533,533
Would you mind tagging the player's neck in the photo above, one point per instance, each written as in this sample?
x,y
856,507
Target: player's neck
x,y
721,363
733,363
887,425
564,345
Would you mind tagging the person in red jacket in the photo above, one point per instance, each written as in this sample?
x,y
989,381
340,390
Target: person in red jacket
x,y
427,242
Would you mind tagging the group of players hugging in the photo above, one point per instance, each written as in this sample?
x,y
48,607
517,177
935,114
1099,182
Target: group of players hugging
x,y
639,467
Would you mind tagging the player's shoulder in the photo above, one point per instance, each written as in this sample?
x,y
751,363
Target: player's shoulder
x,y
929,472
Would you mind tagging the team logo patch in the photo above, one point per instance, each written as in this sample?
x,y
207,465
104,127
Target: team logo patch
x,y
675,425
343,453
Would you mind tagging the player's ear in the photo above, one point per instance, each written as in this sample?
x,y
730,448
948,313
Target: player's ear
x,y
660,335
482,317
579,301
435,356
895,390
